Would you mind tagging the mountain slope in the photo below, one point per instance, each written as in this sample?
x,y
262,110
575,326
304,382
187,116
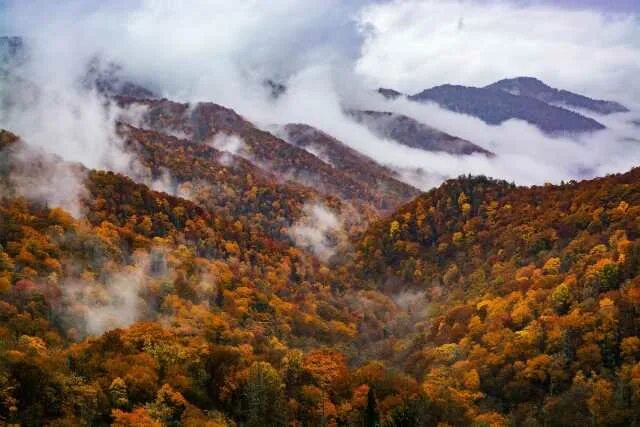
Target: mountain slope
x,y
534,294
489,211
412,133
478,302
378,178
534,88
495,106
190,311
203,122
230,187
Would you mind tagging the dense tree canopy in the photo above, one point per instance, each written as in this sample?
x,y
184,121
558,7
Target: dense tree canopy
x,y
478,303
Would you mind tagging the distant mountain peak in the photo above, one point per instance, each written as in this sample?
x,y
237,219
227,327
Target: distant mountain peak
x,y
106,78
526,80
494,105
535,88
389,93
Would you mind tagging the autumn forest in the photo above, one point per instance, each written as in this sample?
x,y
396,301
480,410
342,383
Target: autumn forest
x,y
267,242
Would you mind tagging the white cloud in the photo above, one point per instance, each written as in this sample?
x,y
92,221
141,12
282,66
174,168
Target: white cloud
x,y
207,48
316,230
76,124
232,144
525,155
116,304
42,177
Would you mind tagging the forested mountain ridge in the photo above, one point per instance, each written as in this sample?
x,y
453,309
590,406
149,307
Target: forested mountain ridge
x,y
479,302
228,185
379,179
204,122
495,106
533,295
206,294
412,133
523,98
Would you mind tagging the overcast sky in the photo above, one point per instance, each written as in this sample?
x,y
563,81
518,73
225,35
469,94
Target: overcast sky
x,y
592,46
607,5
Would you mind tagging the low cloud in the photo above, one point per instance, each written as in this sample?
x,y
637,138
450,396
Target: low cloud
x,y
525,154
45,178
317,230
231,144
116,304
163,181
65,125
76,124
413,302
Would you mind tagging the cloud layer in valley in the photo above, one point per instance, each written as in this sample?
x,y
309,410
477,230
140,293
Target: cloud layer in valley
x,y
525,154
42,177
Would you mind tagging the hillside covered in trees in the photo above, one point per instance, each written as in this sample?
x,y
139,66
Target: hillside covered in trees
x,y
532,293
477,303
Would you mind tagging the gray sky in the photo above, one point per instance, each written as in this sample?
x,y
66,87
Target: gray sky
x,y
3,17
590,46
609,5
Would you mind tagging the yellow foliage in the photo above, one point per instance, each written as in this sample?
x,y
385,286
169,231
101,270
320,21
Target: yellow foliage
x,y
457,237
394,228
492,419
552,266
139,417
5,284
471,380
34,344
630,348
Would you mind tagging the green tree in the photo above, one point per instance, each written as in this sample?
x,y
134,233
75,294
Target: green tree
x,y
265,396
610,277
371,415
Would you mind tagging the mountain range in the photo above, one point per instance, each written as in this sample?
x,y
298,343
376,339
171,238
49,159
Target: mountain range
x,y
523,98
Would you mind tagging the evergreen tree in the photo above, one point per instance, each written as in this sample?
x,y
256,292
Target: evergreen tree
x,y
371,415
